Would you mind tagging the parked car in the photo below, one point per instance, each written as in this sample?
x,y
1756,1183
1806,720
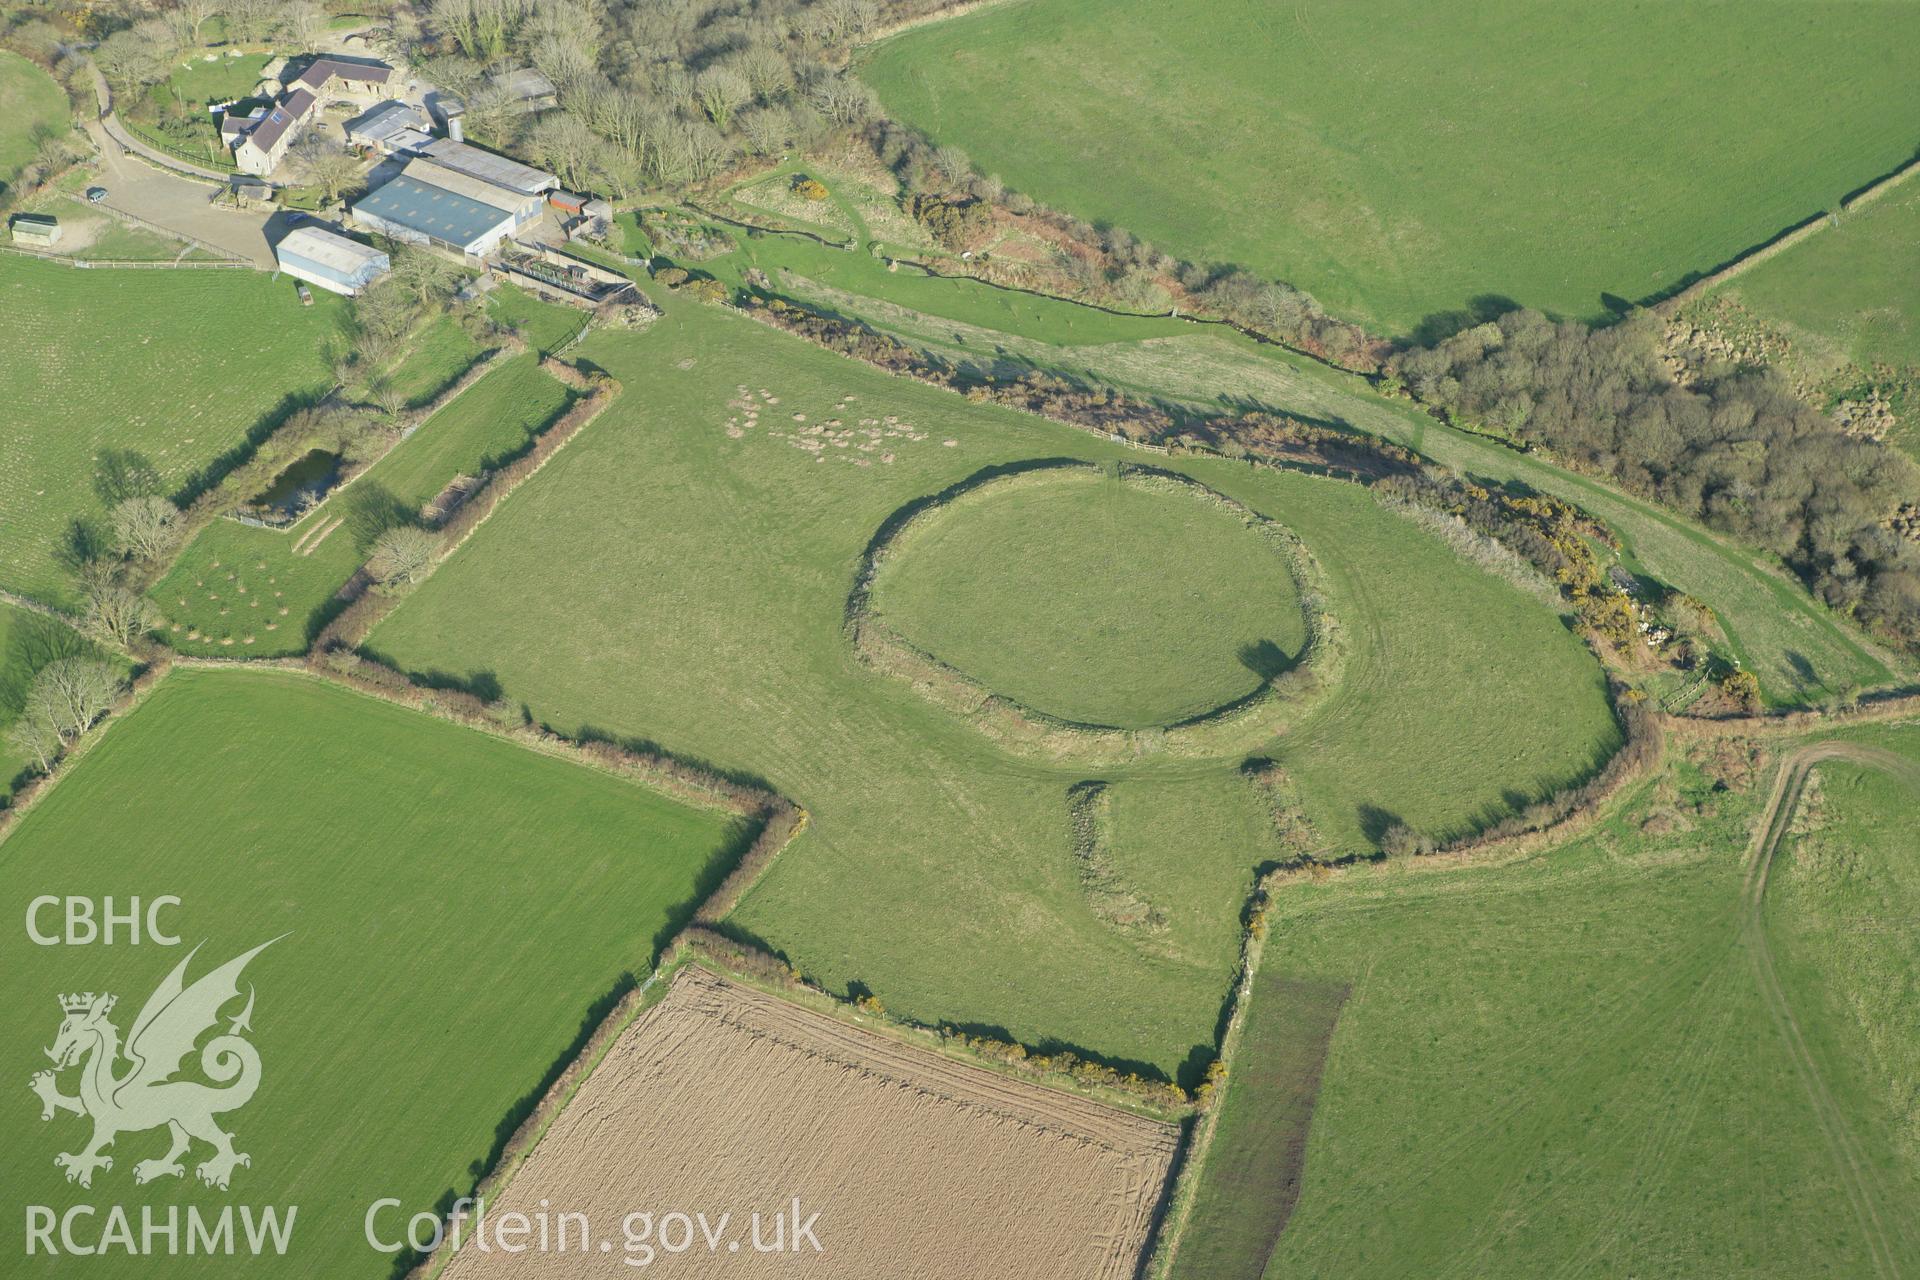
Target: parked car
x,y
96,194
306,294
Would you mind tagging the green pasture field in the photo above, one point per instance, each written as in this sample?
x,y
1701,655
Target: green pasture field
x,y
681,574
179,366
491,422
436,356
1564,1066
1850,296
442,350
1077,595
417,875
222,80
1399,160
1800,651
965,305
1855,285
544,325
31,105
1841,905
239,591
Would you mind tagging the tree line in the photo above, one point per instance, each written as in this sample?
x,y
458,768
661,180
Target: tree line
x,y
1735,450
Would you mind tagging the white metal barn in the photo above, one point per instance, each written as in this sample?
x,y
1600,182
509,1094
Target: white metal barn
x,y
330,260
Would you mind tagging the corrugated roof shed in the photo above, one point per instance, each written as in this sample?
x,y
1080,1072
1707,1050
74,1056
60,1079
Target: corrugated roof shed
x,y
384,122
413,140
463,157
432,211
331,250
525,83
424,169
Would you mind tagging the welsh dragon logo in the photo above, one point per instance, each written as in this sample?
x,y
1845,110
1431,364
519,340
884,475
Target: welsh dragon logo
x,y
145,1095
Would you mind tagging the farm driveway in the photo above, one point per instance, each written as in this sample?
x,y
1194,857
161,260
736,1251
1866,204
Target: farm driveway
x,y
177,204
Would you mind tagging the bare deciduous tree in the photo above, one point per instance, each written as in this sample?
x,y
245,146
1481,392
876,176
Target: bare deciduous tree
x,y
145,526
116,612
722,91
128,62
563,143
302,23
426,275
843,100
491,114
250,20
767,129
35,738
325,165
192,15
566,62
766,71
403,555
480,27
385,393
69,694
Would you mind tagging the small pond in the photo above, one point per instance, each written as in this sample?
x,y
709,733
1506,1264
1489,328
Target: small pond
x,y
301,485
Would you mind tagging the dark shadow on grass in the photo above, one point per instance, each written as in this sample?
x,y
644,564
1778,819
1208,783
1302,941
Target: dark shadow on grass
x,y
1375,822
517,1114
371,510
1438,326
733,846
587,733
484,685
1267,660
125,473
34,641
82,542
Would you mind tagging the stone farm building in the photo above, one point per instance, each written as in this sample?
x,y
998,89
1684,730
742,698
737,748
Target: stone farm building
x,y
330,260
260,141
264,145
368,79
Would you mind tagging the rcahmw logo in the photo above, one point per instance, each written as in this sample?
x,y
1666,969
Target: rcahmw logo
x,y
148,1094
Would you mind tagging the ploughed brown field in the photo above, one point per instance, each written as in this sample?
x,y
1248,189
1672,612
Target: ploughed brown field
x,y
723,1099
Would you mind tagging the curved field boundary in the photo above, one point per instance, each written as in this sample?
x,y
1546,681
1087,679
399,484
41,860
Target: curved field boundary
x,y
1233,727
1857,1174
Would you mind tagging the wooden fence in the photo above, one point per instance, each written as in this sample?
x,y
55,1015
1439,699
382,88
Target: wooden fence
x,y
118,263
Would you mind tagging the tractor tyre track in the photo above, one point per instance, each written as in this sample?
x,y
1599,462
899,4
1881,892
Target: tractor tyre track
x,y
1862,1184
